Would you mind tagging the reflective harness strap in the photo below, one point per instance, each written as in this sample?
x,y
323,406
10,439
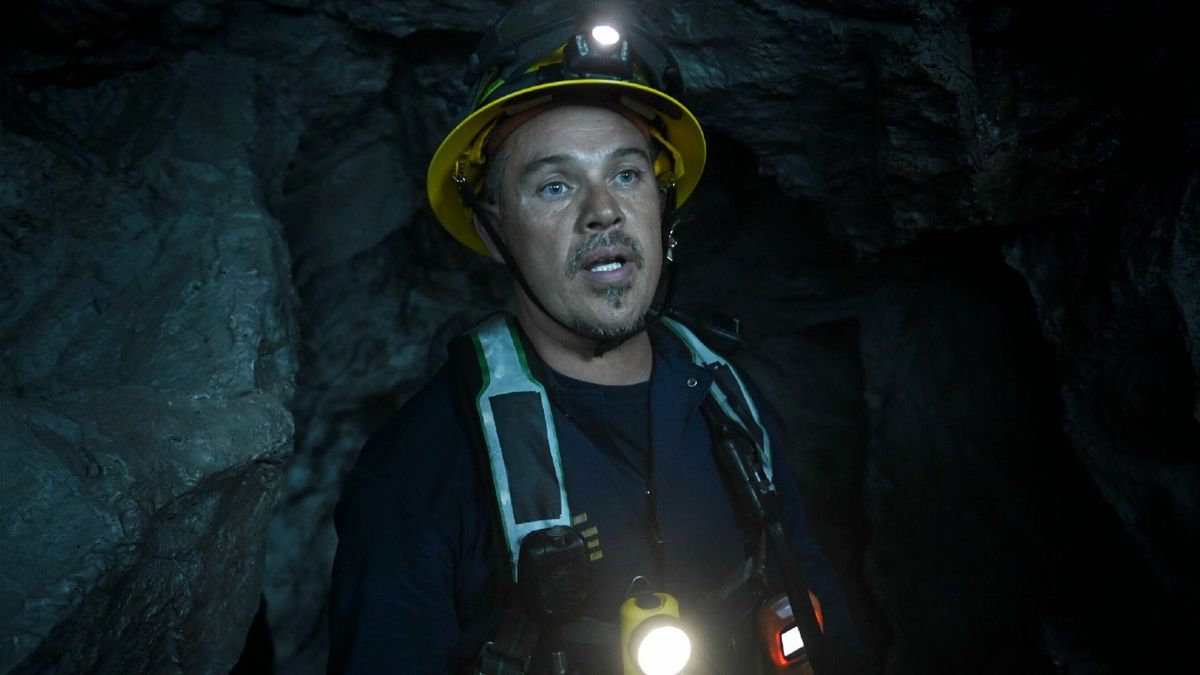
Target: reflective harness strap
x,y
522,445
740,407
522,448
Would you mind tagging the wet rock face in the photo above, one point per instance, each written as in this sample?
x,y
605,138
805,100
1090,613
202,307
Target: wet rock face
x,y
963,238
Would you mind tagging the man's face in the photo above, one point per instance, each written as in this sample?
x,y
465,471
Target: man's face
x,y
580,211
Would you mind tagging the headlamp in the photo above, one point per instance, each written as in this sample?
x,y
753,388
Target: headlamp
x,y
605,35
653,642
598,52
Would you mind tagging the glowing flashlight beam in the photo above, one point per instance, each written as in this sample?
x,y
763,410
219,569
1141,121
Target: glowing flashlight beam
x,y
664,651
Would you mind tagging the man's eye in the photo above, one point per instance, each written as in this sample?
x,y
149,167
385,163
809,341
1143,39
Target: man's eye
x,y
627,176
553,188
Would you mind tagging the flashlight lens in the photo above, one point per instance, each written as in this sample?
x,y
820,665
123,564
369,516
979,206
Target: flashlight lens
x,y
664,651
606,35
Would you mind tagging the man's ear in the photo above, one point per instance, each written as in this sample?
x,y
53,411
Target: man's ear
x,y
493,215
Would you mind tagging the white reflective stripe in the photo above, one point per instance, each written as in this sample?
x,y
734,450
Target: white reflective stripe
x,y
703,357
505,372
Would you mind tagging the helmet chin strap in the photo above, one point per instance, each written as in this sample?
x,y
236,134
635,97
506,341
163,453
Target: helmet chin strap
x,y
666,281
604,345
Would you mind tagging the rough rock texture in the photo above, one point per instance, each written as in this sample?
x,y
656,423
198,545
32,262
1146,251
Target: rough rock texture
x,y
147,355
963,238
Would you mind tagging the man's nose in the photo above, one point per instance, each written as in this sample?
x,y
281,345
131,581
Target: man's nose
x,y
602,210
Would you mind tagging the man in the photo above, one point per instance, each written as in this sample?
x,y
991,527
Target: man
x,y
574,154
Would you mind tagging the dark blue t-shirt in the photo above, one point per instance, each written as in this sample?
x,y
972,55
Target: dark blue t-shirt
x,y
616,417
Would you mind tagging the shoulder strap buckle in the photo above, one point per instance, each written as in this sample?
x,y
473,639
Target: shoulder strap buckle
x,y
495,661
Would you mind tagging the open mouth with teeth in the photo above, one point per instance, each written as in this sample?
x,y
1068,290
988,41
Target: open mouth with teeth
x,y
609,265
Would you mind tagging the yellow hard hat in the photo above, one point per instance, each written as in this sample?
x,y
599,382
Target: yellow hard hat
x,y
548,51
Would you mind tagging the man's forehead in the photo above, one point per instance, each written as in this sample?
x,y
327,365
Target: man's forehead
x,y
576,132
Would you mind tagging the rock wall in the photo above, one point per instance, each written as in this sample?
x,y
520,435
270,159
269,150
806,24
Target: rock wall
x,y
963,238
147,359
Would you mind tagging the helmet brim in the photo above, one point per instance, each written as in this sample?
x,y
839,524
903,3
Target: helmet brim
x,y
681,129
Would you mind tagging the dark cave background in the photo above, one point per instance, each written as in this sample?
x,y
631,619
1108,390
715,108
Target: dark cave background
x,y
964,239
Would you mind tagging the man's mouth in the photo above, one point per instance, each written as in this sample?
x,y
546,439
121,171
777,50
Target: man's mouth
x,y
607,265
607,260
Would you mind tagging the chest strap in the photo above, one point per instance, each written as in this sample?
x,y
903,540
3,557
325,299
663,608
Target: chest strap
x,y
729,391
518,430
522,449
522,444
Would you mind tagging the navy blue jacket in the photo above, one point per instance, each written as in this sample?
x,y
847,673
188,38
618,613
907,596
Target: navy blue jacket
x,y
416,569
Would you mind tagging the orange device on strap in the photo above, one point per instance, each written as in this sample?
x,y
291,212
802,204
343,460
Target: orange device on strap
x,y
781,637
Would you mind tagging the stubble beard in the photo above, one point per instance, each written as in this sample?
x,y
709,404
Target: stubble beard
x,y
614,296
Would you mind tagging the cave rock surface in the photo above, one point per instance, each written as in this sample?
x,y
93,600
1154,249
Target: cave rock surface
x,y
147,359
962,236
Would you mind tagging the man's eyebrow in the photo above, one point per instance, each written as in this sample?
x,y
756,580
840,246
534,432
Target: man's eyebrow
x,y
622,153
538,164
556,160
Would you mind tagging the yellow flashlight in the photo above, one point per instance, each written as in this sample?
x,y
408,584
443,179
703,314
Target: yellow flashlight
x,y
652,640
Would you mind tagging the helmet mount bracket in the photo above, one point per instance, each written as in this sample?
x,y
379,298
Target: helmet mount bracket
x,y
584,58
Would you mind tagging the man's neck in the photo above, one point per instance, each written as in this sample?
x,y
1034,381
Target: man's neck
x,y
575,356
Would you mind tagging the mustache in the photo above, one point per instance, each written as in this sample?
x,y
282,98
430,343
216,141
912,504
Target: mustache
x,y
601,240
